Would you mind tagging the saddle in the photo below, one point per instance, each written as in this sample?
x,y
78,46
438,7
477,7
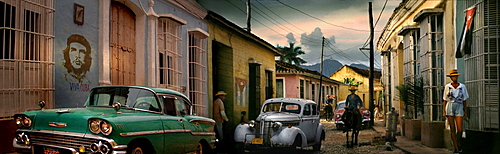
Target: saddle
x,y
349,121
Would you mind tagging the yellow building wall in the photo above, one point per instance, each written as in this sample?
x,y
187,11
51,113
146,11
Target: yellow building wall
x,y
244,51
363,89
392,42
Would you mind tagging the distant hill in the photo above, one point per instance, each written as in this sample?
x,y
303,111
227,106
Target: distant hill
x,y
332,65
364,67
329,66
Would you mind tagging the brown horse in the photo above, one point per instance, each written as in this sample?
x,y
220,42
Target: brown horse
x,y
351,121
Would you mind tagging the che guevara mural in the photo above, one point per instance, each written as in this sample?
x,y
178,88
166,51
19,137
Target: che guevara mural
x,y
76,70
76,50
77,59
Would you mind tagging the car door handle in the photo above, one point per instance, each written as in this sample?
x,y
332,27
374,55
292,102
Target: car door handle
x,y
179,120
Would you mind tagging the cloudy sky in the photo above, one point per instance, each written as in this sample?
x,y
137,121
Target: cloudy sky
x,y
344,24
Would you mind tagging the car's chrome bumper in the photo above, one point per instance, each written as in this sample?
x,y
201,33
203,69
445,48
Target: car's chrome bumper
x,y
63,140
341,122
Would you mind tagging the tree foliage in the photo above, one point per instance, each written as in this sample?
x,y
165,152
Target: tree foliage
x,y
292,54
412,94
350,81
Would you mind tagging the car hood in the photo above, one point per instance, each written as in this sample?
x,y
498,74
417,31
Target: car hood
x,y
278,116
74,119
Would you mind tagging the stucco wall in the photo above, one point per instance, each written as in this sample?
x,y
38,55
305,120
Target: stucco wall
x,y
244,50
363,89
95,29
390,41
70,92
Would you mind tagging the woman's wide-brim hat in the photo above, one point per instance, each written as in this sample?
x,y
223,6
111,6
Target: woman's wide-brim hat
x,y
220,93
453,72
353,88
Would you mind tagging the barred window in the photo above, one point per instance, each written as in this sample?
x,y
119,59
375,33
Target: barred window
x,y
483,67
197,72
301,88
431,30
26,63
169,54
307,90
411,49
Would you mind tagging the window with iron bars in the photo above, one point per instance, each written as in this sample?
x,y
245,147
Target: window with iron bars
x,y
431,62
169,56
301,88
411,49
483,67
26,63
197,73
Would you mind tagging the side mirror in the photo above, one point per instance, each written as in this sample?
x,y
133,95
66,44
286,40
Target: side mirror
x,y
41,104
117,106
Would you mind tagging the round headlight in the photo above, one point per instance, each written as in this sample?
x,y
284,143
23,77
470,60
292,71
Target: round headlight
x,y
277,125
19,121
94,126
106,128
251,123
26,122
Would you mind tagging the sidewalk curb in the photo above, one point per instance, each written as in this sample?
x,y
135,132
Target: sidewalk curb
x,y
409,146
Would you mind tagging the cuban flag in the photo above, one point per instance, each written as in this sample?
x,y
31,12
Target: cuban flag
x,y
464,46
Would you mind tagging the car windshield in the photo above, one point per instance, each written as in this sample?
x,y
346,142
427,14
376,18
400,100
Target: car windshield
x,y
282,107
341,105
127,97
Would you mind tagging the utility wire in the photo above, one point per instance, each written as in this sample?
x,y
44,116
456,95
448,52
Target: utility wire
x,y
321,19
255,19
336,51
279,16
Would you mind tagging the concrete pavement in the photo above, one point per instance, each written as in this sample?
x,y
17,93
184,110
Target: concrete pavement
x,y
409,146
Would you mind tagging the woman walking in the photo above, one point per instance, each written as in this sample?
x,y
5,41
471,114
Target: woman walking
x,y
455,107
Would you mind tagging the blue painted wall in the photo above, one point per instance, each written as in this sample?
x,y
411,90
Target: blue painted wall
x,y
72,84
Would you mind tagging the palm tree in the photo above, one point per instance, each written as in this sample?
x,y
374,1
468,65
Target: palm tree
x,y
291,54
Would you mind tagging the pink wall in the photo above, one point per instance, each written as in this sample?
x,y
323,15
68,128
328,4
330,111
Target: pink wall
x,y
292,84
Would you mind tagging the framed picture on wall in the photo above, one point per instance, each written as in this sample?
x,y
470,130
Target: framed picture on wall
x,y
79,14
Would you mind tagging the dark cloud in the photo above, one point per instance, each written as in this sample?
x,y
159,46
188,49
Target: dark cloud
x,y
332,39
291,38
264,14
312,45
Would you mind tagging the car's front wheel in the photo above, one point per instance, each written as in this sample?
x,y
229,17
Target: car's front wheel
x,y
317,146
340,126
140,147
297,142
137,150
199,149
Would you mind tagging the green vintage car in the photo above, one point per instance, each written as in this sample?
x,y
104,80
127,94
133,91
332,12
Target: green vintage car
x,y
117,119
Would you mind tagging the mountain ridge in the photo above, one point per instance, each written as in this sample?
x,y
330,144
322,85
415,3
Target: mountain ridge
x,y
330,66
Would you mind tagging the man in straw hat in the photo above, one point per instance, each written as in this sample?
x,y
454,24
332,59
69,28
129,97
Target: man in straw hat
x,y
353,103
219,114
455,104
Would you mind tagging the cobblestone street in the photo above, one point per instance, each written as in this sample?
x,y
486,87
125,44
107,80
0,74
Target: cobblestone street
x,y
335,142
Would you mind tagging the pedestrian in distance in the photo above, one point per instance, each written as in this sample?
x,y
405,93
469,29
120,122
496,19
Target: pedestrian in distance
x,y
455,103
329,107
219,113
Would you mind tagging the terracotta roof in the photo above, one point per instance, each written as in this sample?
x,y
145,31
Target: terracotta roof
x,y
286,68
365,73
214,16
190,6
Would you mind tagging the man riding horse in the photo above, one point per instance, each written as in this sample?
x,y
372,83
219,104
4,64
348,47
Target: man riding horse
x,y
352,116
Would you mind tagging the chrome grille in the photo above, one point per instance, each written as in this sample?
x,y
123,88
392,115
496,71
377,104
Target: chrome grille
x,y
64,139
60,140
263,130
257,129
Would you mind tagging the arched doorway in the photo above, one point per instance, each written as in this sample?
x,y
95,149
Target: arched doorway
x,y
122,45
